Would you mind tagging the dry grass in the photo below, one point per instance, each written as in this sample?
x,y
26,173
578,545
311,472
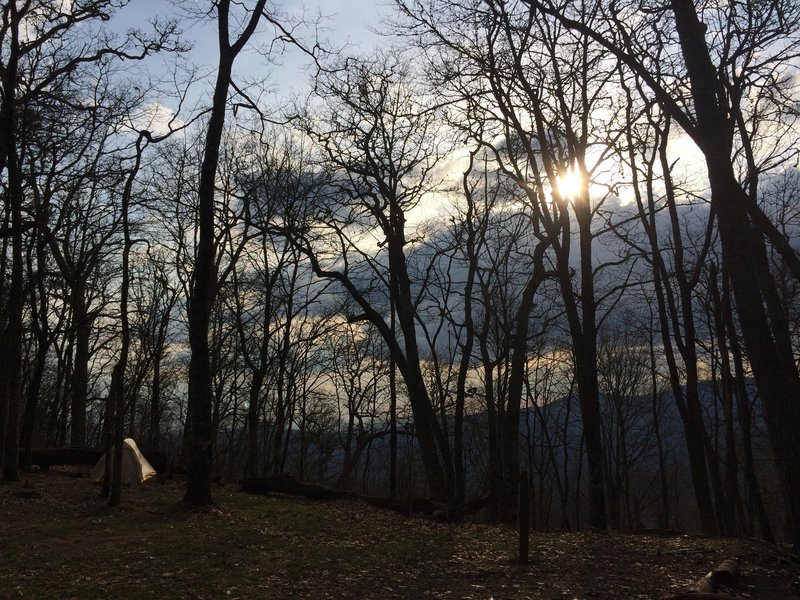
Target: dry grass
x,y
68,544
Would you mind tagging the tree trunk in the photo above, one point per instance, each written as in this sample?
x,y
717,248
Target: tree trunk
x,y
670,309
199,425
434,447
733,501
765,336
392,414
519,357
251,464
80,372
155,403
203,292
39,322
117,387
583,332
755,500
11,346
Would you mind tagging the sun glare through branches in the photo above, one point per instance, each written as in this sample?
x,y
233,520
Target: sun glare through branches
x,y
570,182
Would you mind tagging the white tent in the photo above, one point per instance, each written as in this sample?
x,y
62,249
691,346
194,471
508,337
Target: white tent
x,y
135,468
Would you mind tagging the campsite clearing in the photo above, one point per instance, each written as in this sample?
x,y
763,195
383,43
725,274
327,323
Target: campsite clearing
x,y
69,544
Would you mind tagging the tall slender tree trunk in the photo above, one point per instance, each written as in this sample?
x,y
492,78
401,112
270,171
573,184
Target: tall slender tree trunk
x,y
663,515
466,347
39,321
519,356
117,387
583,332
203,292
434,447
755,499
733,503
766,335
495,466
11,345
392,410
155,403
79,388
199,426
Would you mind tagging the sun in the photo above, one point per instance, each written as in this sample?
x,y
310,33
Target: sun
x,y
570,183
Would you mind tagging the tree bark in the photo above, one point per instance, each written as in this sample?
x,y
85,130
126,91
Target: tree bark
x,y
766,337
519,357
204,285
11,346
583,332
117,387
80,372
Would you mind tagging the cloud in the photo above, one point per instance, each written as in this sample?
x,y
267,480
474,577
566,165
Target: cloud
x,y
156,118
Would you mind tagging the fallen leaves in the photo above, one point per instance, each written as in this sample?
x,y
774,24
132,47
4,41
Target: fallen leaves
x,y
68,543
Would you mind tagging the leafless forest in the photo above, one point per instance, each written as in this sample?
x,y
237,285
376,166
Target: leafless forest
x,y
534,245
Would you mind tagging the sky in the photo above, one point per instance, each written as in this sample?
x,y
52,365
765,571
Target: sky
x,y
345,22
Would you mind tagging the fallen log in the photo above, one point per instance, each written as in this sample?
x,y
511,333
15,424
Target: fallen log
x,y
710,585
45,458
286,484
726,573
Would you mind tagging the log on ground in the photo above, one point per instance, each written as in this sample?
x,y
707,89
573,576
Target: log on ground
x,y
715,582
284,484
44,458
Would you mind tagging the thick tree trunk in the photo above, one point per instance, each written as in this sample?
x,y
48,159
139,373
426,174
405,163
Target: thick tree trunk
x,y
766,338
11,345
434,447
203,293
39,321
251,464
583,332
199,426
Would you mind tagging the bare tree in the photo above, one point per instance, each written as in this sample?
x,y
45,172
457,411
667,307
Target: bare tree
x,y
46,55
535,92
712,119
380,143
204,280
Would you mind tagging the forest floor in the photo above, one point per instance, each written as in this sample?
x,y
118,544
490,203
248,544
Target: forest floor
x,y
68,544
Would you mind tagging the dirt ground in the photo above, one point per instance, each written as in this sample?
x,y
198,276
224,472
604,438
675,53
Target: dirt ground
x,y
66,543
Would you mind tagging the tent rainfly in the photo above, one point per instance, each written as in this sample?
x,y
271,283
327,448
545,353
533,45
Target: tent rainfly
x,y
135,467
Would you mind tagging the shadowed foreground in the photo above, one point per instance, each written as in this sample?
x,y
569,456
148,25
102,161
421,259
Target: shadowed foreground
x,y
66,543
